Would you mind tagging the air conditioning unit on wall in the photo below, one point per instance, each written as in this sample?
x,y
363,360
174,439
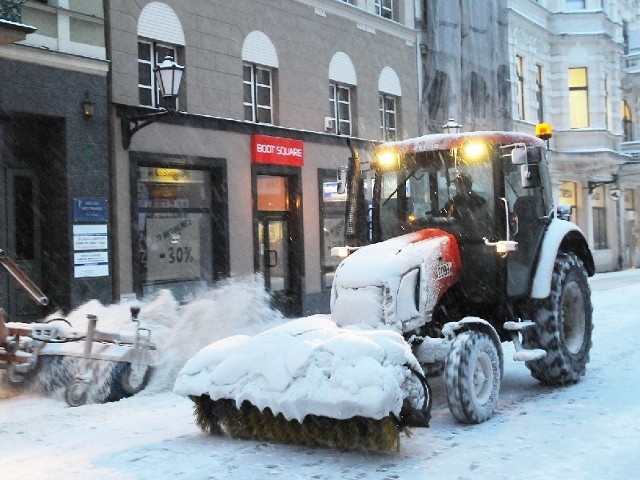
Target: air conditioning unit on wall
x,y
329,124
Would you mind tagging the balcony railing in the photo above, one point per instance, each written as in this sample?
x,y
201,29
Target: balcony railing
x,y
10,10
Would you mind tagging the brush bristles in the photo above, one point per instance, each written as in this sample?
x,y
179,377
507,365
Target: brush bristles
x,y
248,422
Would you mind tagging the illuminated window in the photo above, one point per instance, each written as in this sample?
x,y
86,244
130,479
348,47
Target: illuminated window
x,y
599,219
627,122
567,196
520,86
578,98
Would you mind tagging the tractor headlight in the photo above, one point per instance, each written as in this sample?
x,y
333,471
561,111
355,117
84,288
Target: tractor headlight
x,y
474,151
387,160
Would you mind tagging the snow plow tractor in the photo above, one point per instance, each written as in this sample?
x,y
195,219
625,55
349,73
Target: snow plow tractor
x,y
91,365
459,249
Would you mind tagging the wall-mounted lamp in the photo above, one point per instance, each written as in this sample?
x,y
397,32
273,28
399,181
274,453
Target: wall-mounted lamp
x,y
88,107
168,76
451,126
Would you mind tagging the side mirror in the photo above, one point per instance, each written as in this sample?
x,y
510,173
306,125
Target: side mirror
x,y
563,212
519,155
522,155
529,176
342,180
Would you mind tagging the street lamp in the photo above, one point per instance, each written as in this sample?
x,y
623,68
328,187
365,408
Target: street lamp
x,y
168,76
451,126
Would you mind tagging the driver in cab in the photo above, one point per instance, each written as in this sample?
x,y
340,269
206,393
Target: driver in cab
x,y
466,201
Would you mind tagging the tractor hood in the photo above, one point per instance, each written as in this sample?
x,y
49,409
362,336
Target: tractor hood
x,y
396,282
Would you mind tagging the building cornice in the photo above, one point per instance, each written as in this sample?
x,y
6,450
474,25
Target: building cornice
x,y
54,59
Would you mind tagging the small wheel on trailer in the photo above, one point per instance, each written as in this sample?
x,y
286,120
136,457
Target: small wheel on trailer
x,y
135,378
563,325
76,393
472,377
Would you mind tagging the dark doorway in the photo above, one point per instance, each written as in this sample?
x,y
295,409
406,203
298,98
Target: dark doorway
x,y
21,240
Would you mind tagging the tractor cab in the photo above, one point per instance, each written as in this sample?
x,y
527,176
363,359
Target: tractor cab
x,y
488,189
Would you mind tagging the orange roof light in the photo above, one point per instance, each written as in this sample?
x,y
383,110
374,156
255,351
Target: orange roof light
x,y
544,131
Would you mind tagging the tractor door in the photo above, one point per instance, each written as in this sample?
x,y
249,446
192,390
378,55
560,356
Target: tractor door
x,y
529,204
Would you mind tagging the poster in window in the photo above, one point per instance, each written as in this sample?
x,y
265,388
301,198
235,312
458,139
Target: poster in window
x,y
173,249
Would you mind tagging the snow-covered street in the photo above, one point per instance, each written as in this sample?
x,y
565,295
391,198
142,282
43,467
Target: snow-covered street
x,y
590,430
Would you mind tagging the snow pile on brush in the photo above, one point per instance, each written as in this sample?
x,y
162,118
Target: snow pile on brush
x,y
308,366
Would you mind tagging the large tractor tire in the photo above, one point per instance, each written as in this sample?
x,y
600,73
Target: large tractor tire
x,y
472,377
563,325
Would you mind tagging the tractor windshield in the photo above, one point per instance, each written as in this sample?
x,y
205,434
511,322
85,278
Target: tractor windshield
x,y
444,190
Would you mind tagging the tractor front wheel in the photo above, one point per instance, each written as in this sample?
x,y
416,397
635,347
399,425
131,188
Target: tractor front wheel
x,y
563,325
472,377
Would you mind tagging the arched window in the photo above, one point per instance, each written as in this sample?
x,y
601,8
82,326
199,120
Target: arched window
x,y
259,75
160,34
627,122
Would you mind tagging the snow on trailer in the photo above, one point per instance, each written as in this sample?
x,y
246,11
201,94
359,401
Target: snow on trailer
x,y
90,364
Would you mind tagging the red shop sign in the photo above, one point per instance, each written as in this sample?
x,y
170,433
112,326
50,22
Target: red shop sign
x,y
277,150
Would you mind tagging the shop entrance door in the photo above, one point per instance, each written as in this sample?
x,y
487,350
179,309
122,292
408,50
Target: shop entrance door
x,y
273,254
20,239
278,251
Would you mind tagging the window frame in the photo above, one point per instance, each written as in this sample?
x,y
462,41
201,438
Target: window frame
x,y
627,122
520,87
578,100
385,9
154,90
540,92
334,108
388,133
254,87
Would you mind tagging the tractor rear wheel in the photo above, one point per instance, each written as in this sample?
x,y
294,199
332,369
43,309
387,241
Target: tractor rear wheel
x,y
472,377
563,325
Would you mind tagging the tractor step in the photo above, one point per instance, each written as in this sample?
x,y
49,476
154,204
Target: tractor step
x,y
526,355
523,354
518,326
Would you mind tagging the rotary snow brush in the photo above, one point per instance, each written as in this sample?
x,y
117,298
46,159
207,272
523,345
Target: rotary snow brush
x,y
309,382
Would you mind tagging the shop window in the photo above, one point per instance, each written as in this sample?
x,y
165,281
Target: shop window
x,y
388,117
175,233
340,108
567,196
578,98
599,219
258,93
151,54
332,208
